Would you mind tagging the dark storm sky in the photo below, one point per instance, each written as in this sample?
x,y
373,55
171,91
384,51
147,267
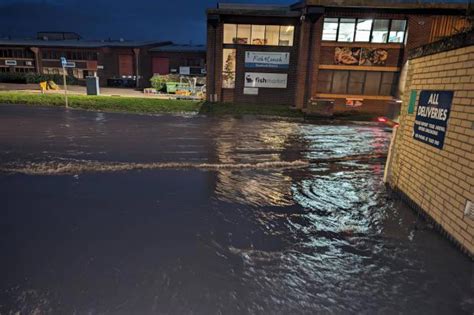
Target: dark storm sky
x,y
181,21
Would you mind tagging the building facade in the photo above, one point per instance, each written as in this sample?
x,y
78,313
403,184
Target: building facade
x,y
349,52
117,63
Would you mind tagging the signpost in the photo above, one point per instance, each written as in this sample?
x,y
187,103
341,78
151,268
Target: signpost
x,y
65,64
432,116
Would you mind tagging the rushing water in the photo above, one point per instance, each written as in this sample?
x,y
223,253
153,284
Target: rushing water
x,y
127,214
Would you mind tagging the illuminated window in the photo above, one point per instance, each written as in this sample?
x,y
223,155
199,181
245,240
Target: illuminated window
x,y
346,30
230,33
397,31
380,31
272,35
330,28
363,30
286,35
258,35
243,34
228,68
246,34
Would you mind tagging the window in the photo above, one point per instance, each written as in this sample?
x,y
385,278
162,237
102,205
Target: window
x,y
258,35
325,81
388,86
286,35
380,31
363,30
243,34
372,83
339,82
228,68
246,34
397,31
346,30
230,33
357,82
330,28
272,35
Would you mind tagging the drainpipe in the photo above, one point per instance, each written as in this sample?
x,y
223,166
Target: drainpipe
x,y
35,50
136,51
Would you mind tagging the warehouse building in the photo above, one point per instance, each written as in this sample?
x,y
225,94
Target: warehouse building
x,y
315,51
119,63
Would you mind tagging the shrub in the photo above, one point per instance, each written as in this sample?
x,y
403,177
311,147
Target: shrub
x,y
158,82
33,77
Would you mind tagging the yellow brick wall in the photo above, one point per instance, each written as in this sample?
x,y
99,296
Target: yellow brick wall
x,y
440,181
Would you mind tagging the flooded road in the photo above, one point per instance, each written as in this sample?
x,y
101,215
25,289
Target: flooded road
x,y
107,213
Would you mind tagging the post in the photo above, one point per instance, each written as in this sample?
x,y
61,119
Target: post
x,y
65,85
136,51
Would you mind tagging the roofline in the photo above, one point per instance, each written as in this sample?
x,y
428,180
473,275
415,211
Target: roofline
x,y
81,44
254,12
393,4
295,10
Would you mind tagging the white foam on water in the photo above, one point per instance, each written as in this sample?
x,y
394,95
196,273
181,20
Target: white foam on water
x,y
80,167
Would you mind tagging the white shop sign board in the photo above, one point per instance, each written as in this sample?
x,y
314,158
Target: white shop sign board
x,y
260,59
250,91
266,80
10,63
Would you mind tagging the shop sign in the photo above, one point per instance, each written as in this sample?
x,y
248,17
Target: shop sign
x,y
353,56
266,80
10,62
412,102
185,70
432,116
70,64
250,91
260,59
354,102
99,67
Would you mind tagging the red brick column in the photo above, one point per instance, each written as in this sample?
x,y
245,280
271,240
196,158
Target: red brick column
x,y
303,63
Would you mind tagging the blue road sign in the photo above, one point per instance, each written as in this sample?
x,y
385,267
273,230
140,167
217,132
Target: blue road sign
x,y
63,62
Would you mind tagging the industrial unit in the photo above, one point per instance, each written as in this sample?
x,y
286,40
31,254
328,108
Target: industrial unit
x,y
119,63
347,52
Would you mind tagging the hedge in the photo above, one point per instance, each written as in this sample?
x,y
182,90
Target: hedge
x,y
33,77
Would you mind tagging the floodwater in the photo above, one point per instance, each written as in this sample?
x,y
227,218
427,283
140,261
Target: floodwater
x,y
107,213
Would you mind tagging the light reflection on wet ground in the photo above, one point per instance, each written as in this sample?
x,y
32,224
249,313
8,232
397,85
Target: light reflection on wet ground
x,y
316,238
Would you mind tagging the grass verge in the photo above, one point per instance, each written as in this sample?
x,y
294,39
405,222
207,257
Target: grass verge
x,y
165,106
103,103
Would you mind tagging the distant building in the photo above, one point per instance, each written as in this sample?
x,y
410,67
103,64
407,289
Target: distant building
x,y
115,62
351,52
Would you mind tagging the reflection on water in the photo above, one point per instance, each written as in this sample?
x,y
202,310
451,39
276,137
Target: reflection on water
x,y
124,214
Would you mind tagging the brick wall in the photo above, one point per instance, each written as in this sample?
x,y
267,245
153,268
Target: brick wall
x,y
440,182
